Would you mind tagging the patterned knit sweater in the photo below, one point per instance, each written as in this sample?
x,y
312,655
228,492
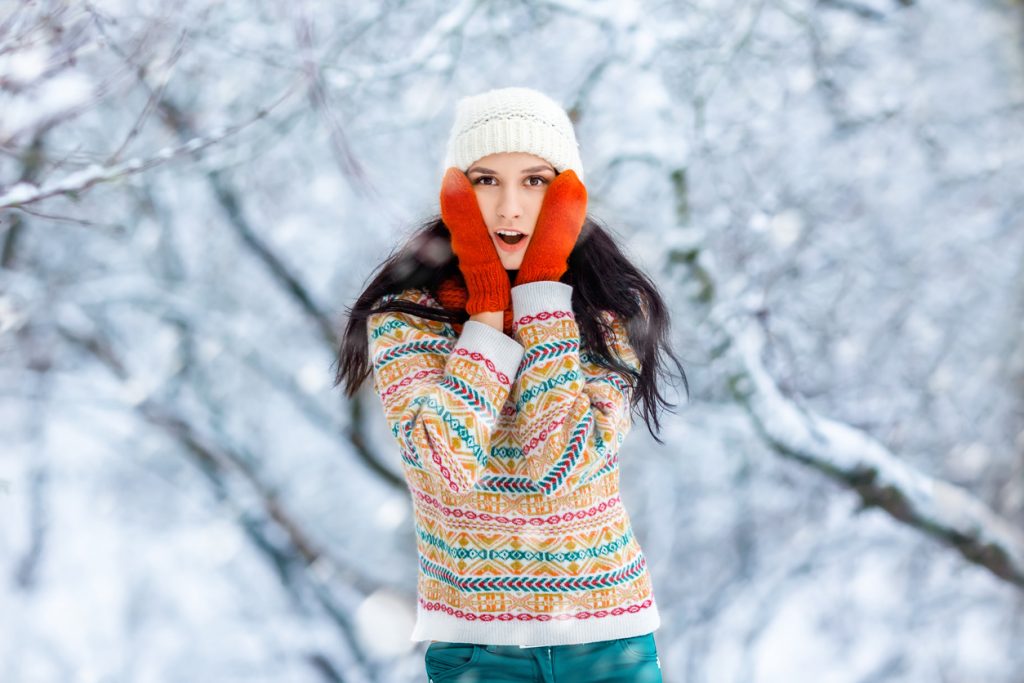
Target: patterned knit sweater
x,y
509,448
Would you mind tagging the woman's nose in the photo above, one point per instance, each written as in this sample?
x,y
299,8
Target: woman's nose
x,y
510,205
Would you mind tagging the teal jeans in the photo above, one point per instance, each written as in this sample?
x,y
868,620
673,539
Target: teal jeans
x,y
632,660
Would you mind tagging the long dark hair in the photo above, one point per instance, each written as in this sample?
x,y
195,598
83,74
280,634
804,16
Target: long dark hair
x,y
426,260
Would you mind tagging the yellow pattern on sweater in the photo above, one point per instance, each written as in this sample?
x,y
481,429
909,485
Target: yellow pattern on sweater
x,y
509,448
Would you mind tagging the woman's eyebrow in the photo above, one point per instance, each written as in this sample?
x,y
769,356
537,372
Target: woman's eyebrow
x,y
532,169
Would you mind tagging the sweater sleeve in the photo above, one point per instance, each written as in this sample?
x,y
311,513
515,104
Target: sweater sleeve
x,y
442,396
570,419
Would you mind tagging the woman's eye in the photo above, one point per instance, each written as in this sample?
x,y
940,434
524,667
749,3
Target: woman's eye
x,y
543,181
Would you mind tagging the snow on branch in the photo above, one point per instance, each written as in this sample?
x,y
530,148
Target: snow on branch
x,y
24,193
857,460
424,53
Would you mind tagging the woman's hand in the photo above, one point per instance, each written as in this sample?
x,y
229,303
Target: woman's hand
x,y
562,214
486,279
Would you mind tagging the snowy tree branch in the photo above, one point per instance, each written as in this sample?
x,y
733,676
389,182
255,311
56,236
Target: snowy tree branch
x,y
271,527
26,193
855,459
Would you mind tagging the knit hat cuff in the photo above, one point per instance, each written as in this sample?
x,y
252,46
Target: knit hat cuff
x,y
515,135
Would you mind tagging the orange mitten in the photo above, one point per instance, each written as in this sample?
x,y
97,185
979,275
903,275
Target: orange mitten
x,y
486,280
561,218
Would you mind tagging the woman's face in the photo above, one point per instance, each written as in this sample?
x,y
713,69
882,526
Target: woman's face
x,y
510,187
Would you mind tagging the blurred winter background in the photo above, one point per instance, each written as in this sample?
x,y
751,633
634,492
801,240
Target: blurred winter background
x,y
828,192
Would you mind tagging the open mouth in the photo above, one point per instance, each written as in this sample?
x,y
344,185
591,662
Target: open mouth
x,y
511,236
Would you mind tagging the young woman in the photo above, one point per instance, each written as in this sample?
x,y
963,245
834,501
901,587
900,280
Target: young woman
x,y
509,342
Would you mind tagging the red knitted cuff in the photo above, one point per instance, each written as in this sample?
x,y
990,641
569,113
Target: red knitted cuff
x,y
488,290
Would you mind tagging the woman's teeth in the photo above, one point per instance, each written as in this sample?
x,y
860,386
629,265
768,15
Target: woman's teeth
x,y
511,237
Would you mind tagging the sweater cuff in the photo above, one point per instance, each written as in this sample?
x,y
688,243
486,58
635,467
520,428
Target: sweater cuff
x,y
499,348
538,297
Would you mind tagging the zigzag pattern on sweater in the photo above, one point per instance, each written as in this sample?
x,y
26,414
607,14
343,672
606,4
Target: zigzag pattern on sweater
x,y
548,351
545,386
457,426
535,584
511,554
512,462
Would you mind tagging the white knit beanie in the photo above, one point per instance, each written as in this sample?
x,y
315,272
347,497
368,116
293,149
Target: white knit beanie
x,y
512,119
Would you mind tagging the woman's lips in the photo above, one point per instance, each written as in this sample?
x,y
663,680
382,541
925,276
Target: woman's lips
x,y
510,248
